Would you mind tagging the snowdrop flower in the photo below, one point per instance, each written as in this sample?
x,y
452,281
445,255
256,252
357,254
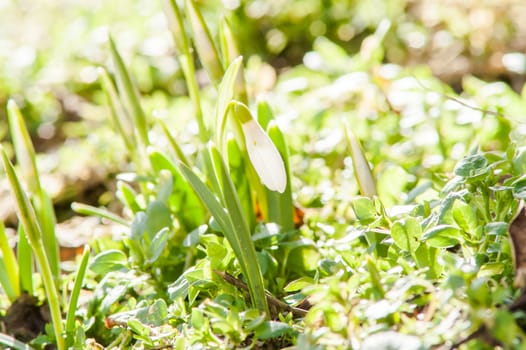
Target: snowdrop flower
x,y
263,154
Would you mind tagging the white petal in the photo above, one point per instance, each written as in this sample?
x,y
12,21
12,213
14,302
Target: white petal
x,y
265,157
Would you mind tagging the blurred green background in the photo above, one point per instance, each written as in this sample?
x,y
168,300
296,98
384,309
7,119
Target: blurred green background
x,y
49,50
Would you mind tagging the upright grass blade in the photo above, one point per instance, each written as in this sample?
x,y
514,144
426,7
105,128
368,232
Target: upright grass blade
x,y
43,206
175,146
361,167
229,49
280,205
204,45
230,218
212,176
127,195
208,197
130,95
12,285
25,154
25,262
225,95
28,219
175,23
230,52
7,287
175,20
265,114
121,119
74,298
132,123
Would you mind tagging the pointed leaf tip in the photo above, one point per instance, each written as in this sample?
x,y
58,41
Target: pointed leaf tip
x,y
361,167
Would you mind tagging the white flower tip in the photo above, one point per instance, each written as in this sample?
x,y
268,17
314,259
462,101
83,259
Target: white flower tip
x,y
279,182
265,157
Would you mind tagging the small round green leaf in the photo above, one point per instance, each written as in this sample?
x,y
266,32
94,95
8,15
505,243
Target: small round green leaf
x,y
109,260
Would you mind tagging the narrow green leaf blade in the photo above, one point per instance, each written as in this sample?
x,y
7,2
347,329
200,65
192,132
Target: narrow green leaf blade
x,y
209,199
74,297
26,213
45,212
204,45
120,118
175,146
9,261
129,94
127,195
28,219
265,114
86,209
13,343
175,23
238,171
229,49
175,20
230,52
25,261
25,153
7,287
225,95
